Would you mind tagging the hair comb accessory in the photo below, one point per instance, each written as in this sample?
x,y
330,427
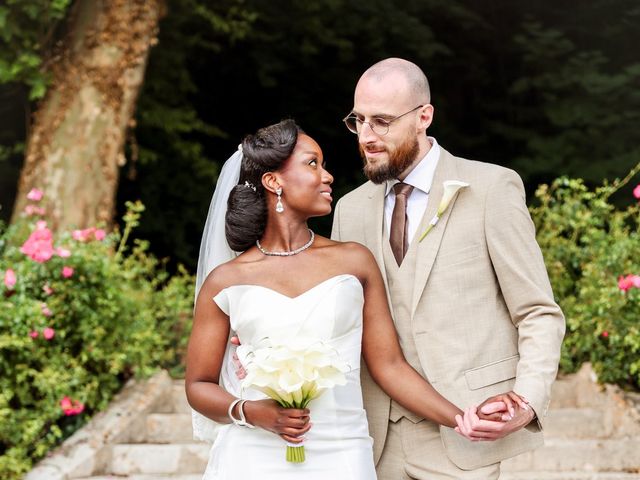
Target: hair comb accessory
x,y
249,185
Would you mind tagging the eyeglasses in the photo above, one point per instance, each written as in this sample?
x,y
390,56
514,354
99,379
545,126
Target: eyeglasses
x,y
380,126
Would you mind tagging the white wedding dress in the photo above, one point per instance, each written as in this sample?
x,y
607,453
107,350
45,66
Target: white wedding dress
x,y
338,446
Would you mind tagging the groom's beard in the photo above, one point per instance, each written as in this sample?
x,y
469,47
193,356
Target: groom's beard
x,y
399,161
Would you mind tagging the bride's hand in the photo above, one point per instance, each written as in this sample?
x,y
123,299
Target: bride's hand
x,y
501,407
289,423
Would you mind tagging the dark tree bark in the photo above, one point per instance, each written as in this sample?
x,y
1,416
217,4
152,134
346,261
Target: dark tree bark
x,y
76,143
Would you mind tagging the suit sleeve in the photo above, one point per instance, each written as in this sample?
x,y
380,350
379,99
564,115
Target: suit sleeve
x,y
519,266
335,229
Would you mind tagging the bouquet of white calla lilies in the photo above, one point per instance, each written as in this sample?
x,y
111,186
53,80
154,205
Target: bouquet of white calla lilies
x,y
292,371
451,187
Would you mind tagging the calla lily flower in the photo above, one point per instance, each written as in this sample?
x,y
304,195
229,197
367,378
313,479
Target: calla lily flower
x,y
292,371
451,187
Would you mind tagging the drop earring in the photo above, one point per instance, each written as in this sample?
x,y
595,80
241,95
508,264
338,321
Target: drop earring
x,y
279,206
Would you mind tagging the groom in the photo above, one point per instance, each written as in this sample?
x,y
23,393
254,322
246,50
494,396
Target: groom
x,y
471,300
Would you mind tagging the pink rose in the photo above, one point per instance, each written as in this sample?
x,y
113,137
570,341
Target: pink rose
x,y
605,334
71,407
39,245
83,235
636,191
67,272
34,210
47,289
33,334
10,279
48,333
35,195
629,281
624,283
45,310
63,252
89,234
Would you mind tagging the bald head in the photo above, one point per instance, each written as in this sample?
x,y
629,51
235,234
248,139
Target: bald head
x,y
416,79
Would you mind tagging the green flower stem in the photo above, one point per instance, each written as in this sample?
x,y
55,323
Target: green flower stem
x,y
432,223
295,454
618,184
429,228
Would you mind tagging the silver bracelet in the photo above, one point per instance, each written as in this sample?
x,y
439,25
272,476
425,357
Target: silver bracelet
x,y
242,422
230,410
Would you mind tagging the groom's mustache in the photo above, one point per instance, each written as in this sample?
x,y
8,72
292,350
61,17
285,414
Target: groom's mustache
x,y
370,149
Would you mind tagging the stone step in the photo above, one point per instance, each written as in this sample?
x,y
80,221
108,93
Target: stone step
x,y
169,428
154,476
179,398
576,423
579,423
504,476
569,476
130,459
563,393
565,455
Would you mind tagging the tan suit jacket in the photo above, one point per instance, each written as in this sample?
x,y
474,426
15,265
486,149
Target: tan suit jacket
x,y
484,318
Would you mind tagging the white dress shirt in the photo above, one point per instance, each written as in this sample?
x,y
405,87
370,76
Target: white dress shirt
x,y
421,177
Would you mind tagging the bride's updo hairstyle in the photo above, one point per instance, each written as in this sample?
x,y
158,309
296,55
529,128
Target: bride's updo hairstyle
x,y
265,151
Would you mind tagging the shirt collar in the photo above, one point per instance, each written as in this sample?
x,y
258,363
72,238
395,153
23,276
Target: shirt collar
x,y
421,177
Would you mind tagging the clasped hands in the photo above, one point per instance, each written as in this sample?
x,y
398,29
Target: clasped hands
x,y
495,418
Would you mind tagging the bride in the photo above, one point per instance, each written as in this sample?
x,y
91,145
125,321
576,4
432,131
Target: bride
x,y
289,280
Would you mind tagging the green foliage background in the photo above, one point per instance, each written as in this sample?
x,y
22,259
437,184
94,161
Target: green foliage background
x,y
118,315
588,244
549,88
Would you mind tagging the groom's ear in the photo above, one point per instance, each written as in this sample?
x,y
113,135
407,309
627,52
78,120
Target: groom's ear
x,y
426,116
270,182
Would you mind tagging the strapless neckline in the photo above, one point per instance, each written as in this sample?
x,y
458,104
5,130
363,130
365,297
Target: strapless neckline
x,y
302,294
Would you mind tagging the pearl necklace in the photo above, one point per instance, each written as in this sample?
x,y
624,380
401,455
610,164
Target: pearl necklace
x,y
287,253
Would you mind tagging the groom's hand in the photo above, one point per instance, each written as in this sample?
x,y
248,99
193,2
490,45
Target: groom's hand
x,y
494,411
238,368
501,407
475,429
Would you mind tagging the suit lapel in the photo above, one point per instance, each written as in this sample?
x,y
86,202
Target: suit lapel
x,y
428,248
373,231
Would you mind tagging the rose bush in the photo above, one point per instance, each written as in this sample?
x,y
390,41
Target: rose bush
x,y
592,253
79,315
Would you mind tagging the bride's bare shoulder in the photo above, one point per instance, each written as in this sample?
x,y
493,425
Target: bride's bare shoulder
x,y
341,246
350,252
224,275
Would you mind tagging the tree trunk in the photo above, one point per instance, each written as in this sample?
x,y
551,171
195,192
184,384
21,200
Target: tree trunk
x,y
77,140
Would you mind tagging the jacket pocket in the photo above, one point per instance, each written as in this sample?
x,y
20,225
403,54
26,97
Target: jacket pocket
x,y
491,373
448,259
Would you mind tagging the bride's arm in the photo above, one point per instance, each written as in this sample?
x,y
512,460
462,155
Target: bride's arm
x,y
385,360
205,352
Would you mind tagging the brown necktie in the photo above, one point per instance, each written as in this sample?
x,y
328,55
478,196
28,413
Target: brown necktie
x,y
398,236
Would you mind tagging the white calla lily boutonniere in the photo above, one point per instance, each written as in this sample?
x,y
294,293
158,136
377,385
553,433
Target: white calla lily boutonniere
x,y
451,187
